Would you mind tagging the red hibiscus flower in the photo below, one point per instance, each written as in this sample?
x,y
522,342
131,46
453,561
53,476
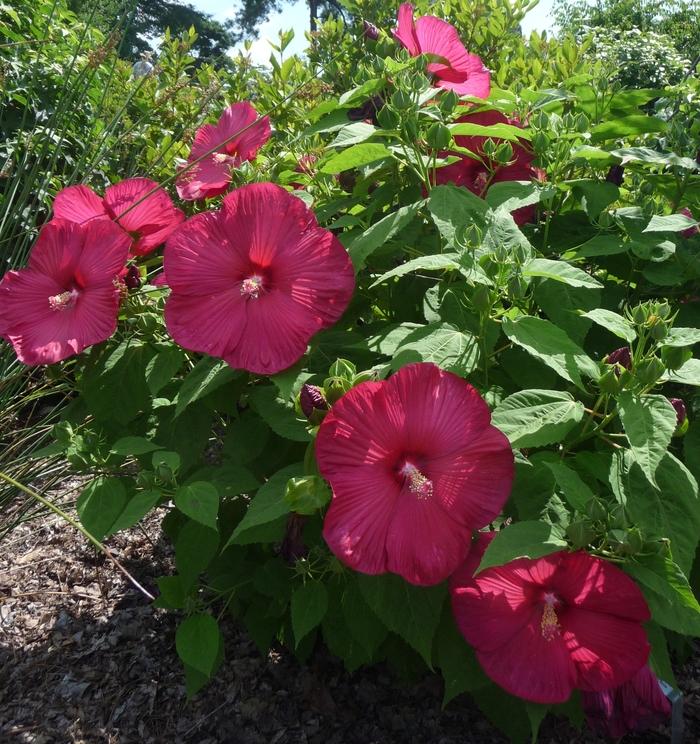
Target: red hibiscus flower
x,y
637,705
453,66
478,175
542,628
236,138
149,222
415,466
253,282
67,298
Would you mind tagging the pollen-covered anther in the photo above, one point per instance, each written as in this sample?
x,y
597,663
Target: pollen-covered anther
x,y
63,301
222,157
251,287
417,482
550,622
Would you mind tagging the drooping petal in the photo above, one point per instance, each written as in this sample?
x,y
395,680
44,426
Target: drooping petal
x,y
356,525
204,180
143,209
57,250
79,204
104,253
598,586
424,543
406,31
607,650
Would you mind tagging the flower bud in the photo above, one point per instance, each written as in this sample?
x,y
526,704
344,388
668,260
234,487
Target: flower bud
x,y
504,153
596,510
402,101
370,31
609,382
342,368
448,102
674,357
307,494
659,331
388,118
438,136
540,142
649,371
633,542
621,356
639,314
313,403
132,278
679,407
335,388
580,533
616,174
517,287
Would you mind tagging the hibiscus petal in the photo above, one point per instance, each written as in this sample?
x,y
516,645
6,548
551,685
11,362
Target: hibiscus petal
x,y
104,253
153,218
598,586
206,179
57,250
78,204
240,121
406,31
200,259
356,524
606,649
424,544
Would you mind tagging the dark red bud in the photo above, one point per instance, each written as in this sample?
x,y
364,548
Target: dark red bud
x,y
132,278
293,547
312,399
370,31
615,175
620,356
679,407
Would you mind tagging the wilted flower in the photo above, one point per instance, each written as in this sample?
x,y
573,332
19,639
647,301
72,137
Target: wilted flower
x,y
253,282
616,174
132,277
452,65
691,231
415,465
138,205
542,628
636,705
237,137
67,298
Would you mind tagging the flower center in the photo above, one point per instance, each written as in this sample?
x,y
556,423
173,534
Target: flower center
x,y
550,622
417,482
224,158
64,300
252,286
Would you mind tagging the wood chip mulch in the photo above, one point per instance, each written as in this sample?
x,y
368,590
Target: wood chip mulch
x,y
84,658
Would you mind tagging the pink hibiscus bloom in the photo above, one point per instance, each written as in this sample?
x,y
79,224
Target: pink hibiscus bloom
x,y
149,222
253,282
478,175
636,705
236,138
452,65
542,628
415,465
67,298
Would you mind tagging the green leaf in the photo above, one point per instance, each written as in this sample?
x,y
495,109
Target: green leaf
x,y
691,449
535,418
671,600
195,547
671,509
563,304
162,368
521,540
267,505
626,126
688,374
512,195
136,509
500,131
100,504
442,344
358,131
199,501
560,271
375,236
452,207
670,223
410,611
595,196
576,492
308,607
364,626
307,494
551,345
356,156
197,642
600,245
438,262
682,337
208,375
172,593
278,413
134,446
649,422
616,324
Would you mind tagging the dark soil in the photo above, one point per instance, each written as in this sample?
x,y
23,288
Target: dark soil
x,y
85,658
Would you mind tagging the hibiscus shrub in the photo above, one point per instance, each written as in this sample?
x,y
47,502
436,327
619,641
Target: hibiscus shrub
x,y
417,383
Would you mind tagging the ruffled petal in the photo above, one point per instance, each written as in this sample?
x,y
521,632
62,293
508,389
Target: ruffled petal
x,y
104,254
357,522
406,30
606,649
206,179
240,121
79,204
424,544
145,210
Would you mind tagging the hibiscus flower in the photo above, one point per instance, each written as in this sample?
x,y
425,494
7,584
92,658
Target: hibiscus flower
x,y
542,628
478,175
452,66
636,705
149,221
253,282
67,298
236,138
415,465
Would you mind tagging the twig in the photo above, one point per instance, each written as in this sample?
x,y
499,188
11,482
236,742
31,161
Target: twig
x,y
100,546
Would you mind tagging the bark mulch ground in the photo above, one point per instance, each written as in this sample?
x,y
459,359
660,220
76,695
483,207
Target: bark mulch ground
x,y
84,658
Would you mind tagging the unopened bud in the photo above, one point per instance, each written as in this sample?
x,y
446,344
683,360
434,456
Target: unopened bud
x,y
132,278
313,403
674,357
438,136
616,175
580,533
679,408
621,356
370,31
650,371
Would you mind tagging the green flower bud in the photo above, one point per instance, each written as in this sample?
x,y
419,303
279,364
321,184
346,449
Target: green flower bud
x,y
650,370
596,510
517,287
504,153
448,102
411,128
618,517
306,495
438,136
633,542
490,149
342,368
582,123
388,118
335,388
639,314
540,142
609,382
659,331
402,101
580,533
674,357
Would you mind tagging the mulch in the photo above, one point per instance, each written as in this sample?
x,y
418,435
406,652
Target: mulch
x,y
84,658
